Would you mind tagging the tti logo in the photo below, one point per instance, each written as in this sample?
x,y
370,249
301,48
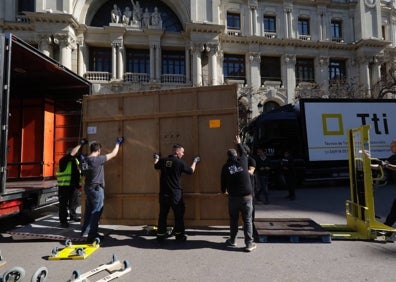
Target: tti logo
x,y
333,123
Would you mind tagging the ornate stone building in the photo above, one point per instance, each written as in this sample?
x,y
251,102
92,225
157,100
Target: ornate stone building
x,y
275,50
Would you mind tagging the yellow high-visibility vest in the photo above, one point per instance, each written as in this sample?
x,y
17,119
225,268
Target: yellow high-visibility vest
x,y
64,177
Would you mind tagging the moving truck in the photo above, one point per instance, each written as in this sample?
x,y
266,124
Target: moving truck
x,y
314,131
40,110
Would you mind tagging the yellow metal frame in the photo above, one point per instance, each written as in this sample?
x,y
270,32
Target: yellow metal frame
x,y
74,252
360,210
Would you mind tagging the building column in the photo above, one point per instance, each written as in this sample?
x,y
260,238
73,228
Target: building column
x,y
288,23
197,65
253,17
289,75
65,49
376,69
188,64
152,62
45,45
364,74
212,50
114,60
253,70
158,63
120,61
323,73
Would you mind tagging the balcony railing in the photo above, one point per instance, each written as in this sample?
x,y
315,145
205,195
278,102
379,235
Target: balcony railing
x,y
97,76
234,32
338,39
305,37
270,35
173,78
136,77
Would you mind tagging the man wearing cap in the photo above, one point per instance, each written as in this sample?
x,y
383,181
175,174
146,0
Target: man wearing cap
x,y
235,182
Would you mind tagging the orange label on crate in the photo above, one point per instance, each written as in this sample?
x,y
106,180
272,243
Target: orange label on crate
x,y
214,123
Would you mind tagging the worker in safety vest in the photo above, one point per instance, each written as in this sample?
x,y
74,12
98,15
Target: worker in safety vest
x,y
69,176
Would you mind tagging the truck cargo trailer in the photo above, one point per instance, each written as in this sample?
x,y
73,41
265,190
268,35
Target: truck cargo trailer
x,y
40,118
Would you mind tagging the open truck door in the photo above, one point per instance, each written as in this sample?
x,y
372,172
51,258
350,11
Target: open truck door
x,y
40,118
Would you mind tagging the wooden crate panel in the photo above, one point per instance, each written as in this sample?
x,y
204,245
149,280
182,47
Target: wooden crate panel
x,y
175,101
153,121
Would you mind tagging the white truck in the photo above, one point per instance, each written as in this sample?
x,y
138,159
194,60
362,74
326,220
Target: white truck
x,y
314,131
40,111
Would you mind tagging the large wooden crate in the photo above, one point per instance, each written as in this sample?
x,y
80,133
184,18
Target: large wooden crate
x,y
203,119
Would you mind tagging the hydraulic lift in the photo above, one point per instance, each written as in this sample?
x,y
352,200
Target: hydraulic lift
x,y
361,223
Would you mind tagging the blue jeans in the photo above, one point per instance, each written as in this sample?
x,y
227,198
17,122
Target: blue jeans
x,y
93,210
244,205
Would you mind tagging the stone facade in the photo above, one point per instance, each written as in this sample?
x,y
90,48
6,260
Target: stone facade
x,y
275,50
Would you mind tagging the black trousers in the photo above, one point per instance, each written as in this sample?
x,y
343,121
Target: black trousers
x,y
69,200
166,203
391,218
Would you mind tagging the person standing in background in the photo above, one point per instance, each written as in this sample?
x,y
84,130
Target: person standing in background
x,y
69,177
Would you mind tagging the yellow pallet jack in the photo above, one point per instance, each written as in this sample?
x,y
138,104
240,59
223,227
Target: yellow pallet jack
x,y
360,212
70,251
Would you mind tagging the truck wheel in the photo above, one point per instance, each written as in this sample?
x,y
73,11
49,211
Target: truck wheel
x,y
40,275
14,275
68,243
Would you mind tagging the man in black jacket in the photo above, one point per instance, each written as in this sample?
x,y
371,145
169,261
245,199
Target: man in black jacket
x,y
235,182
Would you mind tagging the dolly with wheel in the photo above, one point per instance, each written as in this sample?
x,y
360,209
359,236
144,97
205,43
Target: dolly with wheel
x,y
17,274
115,268
70,251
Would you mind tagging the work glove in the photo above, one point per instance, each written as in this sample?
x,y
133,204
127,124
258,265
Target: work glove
x,y
120,140
83,142
197,159
156,156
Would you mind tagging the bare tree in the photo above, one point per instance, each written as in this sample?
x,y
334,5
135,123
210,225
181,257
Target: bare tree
x,y
386,86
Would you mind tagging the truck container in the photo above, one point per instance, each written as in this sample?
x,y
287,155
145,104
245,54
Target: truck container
x,y
314,131
40,118
203,119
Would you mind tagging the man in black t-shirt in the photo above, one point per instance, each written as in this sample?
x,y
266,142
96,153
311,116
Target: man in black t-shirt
x,y
171,192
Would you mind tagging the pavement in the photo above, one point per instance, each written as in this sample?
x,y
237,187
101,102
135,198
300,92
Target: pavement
x,y
204,256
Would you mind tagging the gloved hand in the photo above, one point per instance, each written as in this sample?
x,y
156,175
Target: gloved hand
x,y
120,140
384,163
83,142
156,156
197,159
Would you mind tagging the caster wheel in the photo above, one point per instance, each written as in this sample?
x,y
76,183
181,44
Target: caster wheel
x,y
14,275
126,264
96,242
54,251
79,251
40,275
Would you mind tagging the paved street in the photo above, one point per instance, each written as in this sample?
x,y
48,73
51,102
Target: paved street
x,y
204,256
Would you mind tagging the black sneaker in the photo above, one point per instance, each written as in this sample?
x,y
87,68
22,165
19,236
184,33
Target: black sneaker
x,y
75,218
181,238
231,243
64,225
